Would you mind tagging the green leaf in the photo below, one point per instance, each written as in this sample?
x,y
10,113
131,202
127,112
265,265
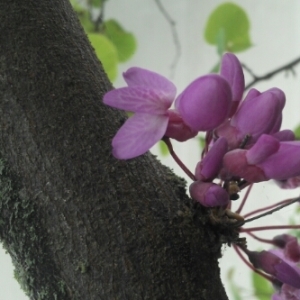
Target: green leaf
x,y
236,291
96,3
297,132
201,142
106,52
124,41
163,148
262,287
233,21
84,16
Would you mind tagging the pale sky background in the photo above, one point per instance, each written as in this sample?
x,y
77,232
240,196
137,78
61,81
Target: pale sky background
x,y
275,34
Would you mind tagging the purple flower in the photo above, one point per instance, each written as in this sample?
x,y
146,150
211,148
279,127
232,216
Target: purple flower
x,y
205,103
149,95
177,129
232,71
287,292
290,246
267,159
259,113
275,264
290,183
208,168
289,253
209,194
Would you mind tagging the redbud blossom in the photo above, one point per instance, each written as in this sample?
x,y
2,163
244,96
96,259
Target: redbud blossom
x,y
290,246
284,135
259,113
208,168
232,71
283,164
267,159
205,103
290,183
149,95
287,292
209,194
275,266
177,129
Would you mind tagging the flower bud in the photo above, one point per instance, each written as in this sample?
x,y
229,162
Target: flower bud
x,y
177,129
290,246
265,146
205,103
258,115
275,266
209,167
283,164
232,71
236,164
284,135
209,194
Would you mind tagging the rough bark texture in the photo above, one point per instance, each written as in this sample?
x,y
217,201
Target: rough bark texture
x,y
78,223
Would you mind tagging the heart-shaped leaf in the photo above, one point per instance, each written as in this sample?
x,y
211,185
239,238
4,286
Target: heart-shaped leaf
x,y
106,52
232,22
124,41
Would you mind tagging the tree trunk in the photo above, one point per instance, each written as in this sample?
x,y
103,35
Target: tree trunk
x,y
78,223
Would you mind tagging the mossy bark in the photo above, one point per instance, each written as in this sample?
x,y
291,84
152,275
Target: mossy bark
x,y
78,223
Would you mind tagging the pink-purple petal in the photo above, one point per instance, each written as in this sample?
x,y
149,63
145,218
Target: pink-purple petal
x,y
144,78
265,146
258,115
138,135
285,163
232,71
137,99
209,194
205,103
209,167
284,135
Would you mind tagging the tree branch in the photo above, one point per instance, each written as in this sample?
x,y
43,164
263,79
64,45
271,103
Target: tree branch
x,y
256,79
78,223
176,40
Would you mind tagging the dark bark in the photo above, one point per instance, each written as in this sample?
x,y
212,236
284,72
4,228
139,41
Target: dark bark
x,y
78,223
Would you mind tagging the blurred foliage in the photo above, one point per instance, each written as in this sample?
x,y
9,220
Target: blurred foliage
x,y
263,290
235,290
228,26
112,43
106,52
124,42
297,132
164,151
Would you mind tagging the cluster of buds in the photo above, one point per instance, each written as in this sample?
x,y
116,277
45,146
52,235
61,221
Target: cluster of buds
x,y
282,264
244,143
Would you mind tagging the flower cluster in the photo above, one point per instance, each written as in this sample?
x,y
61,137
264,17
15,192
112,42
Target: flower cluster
x,y
283,264
244,141
244,145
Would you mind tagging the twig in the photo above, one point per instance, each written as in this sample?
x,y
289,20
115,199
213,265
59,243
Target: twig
x,y
99,21
176,41
269,212
269,228
244,199
269,75
273,210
